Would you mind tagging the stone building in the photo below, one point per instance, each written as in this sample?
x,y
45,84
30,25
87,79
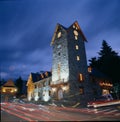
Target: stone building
x,y
70,79
38,86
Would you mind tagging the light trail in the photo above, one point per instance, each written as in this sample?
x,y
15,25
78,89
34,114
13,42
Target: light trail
x,y
26,113
53,112
33,112
20,116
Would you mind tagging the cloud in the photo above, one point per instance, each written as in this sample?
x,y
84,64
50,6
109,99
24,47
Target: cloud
x,y
27,28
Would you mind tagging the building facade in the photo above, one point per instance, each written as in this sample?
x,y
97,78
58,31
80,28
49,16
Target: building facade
x,y
101,84
8,90
70,79
38,86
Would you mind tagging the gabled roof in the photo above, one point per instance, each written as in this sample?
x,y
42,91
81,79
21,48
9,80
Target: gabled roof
x,y
9,83
79,29
39,76
96,73
58,26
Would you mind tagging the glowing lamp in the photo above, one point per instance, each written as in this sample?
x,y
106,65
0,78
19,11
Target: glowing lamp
x,y
64,88
46,96
11,91
15,90
4,90
53,89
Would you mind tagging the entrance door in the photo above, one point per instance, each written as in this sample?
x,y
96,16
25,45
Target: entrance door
x,y
60,94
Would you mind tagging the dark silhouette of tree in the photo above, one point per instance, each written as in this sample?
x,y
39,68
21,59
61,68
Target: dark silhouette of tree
x,y
19,84
108,62
93,62
2,82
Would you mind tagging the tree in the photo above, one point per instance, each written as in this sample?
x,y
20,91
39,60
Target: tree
x,y
19,84
2,82
108,62
93,62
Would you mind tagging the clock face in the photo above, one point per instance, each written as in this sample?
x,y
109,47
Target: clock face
x,y
59,34
75,33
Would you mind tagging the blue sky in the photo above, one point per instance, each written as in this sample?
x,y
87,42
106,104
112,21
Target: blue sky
x,y
27,27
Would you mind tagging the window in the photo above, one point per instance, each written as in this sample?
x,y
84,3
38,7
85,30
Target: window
x,y
59,35
59,46
78,58
89,69
73,26
81,77
76,47
35,86
46,73
58,70
75,33
42,75
76,38
59,53
81,90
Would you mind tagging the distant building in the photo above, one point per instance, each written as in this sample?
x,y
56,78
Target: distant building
x,y
8,90
38,86
101,84
70,79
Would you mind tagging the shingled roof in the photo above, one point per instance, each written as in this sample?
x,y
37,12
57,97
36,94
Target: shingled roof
x,y
9,83
96,73
39,76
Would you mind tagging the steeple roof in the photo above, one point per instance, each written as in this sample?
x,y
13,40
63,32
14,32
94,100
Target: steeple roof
x,y
58,26
79,29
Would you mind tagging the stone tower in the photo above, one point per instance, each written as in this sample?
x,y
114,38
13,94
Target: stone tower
x,y
70,79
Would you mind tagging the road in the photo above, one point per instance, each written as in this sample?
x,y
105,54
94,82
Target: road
x,y
19,112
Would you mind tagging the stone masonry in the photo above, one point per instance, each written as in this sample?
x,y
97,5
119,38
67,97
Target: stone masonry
x,y
70,64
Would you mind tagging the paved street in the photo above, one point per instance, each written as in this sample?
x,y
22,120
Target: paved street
x,y
19,112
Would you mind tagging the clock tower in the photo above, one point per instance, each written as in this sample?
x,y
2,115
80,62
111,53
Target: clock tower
x,y
70,80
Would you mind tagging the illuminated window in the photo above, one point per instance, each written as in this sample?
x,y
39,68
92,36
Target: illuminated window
x,y
46,73
81,91
42,75
78,58
73,26
59,35
75,33
89,69
76,47
58,71
76,38
81,77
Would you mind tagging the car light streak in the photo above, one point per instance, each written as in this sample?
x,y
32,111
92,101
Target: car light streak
x,y
90,111
20,116
40,117
53,113
96,104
